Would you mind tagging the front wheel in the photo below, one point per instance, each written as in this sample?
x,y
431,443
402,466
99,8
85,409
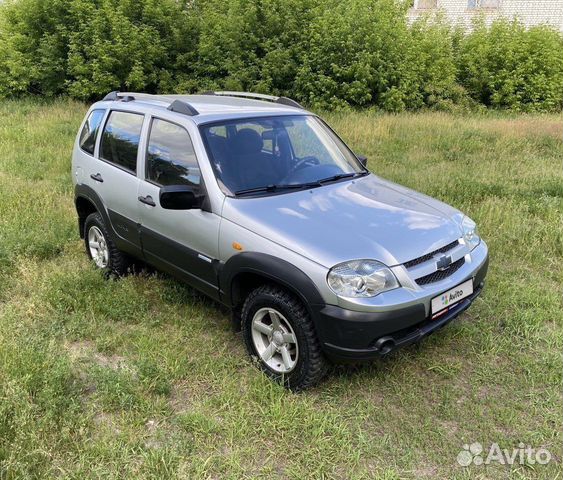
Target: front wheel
x,y
279,333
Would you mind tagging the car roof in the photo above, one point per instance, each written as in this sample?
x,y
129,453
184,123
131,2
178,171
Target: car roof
x,y
210,107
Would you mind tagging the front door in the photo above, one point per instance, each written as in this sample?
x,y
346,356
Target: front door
x,y
183,242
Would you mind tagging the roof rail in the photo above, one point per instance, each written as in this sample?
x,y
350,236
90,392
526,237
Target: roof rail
x,y
260,96
179,106
115,97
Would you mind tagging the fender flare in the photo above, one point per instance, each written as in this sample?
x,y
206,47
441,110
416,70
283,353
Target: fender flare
x,y
88,193
273,268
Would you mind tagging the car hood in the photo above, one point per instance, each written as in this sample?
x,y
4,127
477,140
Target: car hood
x,y
363,218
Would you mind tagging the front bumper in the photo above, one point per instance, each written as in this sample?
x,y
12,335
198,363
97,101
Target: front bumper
x,y
348,335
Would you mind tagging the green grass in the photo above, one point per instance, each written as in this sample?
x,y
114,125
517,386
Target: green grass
x,y
143,378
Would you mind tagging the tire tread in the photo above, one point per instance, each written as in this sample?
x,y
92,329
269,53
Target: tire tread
x,y
119,262
317,363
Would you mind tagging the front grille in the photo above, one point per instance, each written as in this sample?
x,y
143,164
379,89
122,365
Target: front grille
x,y
441,274
429,256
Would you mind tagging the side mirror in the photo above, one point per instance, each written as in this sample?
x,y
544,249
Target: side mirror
x,y
363,160
178,197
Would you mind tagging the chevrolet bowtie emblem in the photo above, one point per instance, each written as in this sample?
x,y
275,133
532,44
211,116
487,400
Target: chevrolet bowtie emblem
x,y
444,262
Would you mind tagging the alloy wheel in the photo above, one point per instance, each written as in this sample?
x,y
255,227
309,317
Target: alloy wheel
x,y
98,247
274,340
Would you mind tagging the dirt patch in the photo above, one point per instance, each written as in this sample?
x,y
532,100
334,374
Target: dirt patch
x,y
183,396
181,399
485,392
80,349
425,471
86,350
107,421
84,353
154,435
451,428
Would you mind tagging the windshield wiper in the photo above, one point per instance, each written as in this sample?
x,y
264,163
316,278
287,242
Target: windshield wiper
x,y
293,186
273,188
340,176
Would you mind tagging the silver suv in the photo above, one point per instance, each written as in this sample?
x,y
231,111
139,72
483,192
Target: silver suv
x,y
260,205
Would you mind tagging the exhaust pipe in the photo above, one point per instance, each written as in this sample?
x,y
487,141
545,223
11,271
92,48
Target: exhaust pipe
x,y
385,345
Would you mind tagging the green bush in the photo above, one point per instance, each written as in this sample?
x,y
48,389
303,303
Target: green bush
x,y
433,61
326,53
363,53
33,47
145,45
507,66
88,47
253,45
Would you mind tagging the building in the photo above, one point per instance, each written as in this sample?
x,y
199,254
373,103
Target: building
x,y
529,12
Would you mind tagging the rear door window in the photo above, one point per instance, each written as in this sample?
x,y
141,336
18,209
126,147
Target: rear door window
x,y
89,132
120,139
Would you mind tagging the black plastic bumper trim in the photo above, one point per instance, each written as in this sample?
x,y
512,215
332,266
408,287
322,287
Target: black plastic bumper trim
x,y
388,343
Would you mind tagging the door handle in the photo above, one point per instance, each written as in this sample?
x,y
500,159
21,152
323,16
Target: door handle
x,y
97,177
147,201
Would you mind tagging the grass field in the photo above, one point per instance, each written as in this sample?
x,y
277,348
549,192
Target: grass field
x,y
143,378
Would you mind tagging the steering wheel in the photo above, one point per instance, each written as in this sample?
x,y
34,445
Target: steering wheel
x,y
304,162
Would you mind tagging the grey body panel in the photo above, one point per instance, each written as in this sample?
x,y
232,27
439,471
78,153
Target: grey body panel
x,y
185,239
364,218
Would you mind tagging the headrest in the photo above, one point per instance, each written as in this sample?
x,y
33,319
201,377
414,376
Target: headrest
x,y
247,141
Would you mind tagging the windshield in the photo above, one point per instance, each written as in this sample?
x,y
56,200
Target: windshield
x,y
277,153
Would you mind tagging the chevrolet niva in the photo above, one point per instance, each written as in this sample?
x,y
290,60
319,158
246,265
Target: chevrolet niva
x,y
259,204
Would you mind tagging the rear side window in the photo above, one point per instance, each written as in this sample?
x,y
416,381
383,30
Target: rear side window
x,y
89,132
171,158
120,139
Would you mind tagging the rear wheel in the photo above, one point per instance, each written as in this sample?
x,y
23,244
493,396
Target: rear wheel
x,y
279,333
101,249
98,247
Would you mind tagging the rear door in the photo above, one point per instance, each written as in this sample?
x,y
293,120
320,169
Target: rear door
x,y
184,242
113,175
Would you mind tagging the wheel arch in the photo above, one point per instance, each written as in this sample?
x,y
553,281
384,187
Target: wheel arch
x,y
87,201
84,207
246,271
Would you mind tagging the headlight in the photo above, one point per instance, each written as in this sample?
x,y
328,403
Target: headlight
x,y
361,278
470,234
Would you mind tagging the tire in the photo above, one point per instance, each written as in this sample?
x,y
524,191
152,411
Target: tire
x,y
303,364
113,260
